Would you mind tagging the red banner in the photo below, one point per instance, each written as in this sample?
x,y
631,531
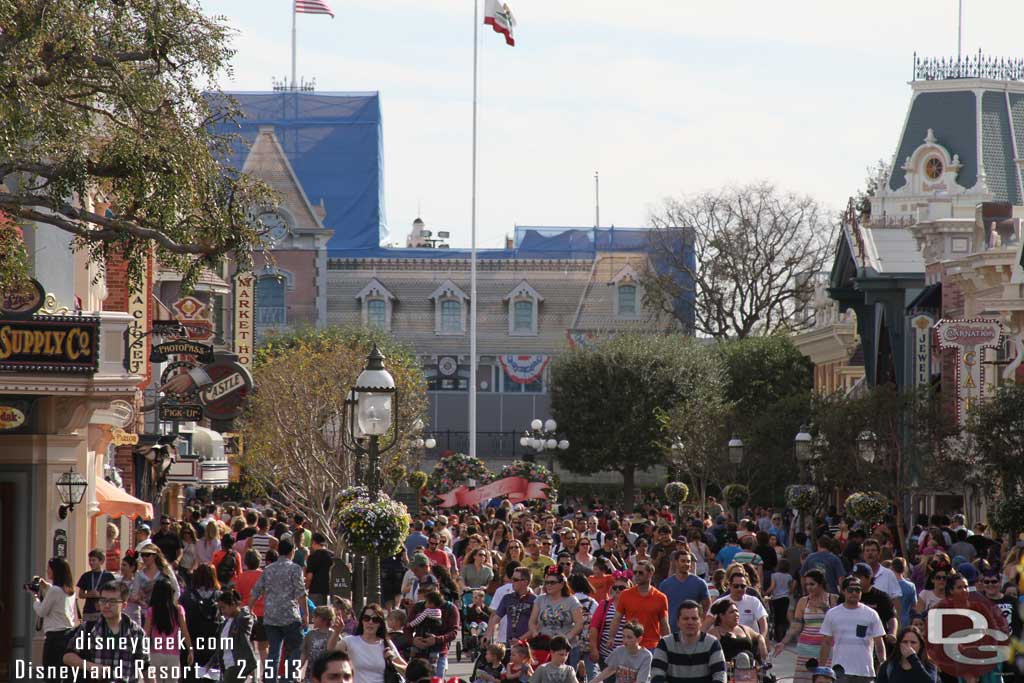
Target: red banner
x,y
516,489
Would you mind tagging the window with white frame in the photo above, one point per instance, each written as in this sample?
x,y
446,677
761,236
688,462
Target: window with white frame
x,y
449,309
523,309
377,304
451,315
377,313
628,294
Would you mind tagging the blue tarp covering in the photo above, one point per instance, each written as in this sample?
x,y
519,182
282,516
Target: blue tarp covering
x,y
335,145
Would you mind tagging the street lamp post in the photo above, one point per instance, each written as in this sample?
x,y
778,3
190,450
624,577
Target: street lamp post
x,y
803,449
542,436
71,488
369,412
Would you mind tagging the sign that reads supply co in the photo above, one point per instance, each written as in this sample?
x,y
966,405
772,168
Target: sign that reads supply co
x,y
56,343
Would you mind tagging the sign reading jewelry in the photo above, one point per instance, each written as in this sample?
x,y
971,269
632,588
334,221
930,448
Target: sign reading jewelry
x,y
55,343
969,338
921,326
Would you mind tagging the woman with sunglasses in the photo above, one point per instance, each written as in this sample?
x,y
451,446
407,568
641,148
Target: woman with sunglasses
x,y
583,560
805,623
602,640
369,648
555,613
476,573
935,590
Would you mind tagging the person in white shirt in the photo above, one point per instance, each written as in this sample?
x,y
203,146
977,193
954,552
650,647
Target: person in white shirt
x,y
752,611
884,580
54,604
142,535
849,632
595,535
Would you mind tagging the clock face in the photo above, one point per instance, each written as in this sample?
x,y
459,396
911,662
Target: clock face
x,y
933,168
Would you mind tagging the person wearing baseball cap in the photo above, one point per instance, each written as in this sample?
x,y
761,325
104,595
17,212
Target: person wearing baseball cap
x,y
850,632
142,537
877,600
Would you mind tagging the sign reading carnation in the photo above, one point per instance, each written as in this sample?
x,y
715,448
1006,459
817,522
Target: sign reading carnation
x,y
516,489
524,369
969,338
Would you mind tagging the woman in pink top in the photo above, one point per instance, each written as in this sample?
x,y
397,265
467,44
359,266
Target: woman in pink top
x,y
165,621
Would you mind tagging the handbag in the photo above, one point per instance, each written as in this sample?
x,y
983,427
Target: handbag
x,y
391,674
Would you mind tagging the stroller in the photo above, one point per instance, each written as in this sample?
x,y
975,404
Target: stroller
x,y
474,626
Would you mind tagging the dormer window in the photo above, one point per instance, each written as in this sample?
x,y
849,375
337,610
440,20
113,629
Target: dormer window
x,y
523,309
377,303
449,309
627,293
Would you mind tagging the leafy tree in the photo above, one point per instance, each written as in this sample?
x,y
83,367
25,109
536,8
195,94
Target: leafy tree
x,y
757,251
608,398
291,426
111,102
769,382
996,429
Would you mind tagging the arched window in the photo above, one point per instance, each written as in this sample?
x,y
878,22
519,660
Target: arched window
x,y
627,300
451,315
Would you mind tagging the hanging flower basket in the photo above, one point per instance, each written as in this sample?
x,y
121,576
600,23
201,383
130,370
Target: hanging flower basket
x,y
676,492
533,471
456,469
802,497
1007,515
417,480
352,493
867,506
736,495
377,527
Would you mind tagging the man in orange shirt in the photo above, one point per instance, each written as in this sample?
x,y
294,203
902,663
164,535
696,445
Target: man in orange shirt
x,y
645,604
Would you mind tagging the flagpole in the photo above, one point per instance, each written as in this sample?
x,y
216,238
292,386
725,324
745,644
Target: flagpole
x,y
293,44
472,250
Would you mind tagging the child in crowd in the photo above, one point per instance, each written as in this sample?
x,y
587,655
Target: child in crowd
x,y
518,669
556,670
489,671
396,624
315,642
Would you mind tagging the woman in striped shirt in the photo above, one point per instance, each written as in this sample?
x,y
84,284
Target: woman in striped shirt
x,y
602,641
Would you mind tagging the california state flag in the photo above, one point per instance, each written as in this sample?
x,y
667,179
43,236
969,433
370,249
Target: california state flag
x,y
499,17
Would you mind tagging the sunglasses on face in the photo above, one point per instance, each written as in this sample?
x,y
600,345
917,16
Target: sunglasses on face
x,y
939,577
854,589
552,583
739,585
990,581
370,617
618,588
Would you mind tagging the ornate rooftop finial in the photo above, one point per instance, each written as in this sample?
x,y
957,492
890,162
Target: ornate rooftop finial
x,y
972,66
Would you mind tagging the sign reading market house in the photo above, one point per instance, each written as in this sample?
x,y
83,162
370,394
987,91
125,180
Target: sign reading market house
x,y
57,343
969,338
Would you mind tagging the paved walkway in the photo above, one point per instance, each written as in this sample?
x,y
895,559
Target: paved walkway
x,y
782,667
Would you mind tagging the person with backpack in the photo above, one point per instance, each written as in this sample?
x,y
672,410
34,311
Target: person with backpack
x,y
228,563
201,612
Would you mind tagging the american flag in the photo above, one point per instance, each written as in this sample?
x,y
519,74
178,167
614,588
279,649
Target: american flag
x,y
313,7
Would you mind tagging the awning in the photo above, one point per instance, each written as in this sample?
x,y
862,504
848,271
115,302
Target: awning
x,y
117,502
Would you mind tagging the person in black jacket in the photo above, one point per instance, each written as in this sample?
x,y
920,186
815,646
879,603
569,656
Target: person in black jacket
x,y
908,662
240,661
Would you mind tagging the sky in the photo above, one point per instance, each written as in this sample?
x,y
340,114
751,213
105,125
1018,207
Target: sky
x,y
663,98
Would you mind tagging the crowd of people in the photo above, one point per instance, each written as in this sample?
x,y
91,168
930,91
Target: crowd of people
x,y
583,593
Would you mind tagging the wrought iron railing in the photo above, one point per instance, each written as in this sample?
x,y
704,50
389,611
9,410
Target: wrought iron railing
x,y
488,444
970,66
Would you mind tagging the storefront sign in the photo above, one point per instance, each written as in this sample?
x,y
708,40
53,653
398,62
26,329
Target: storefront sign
x,y
245,294
11,418
181,347
969,338
136,359
23,301
447,365
921,325
195,316
180,412
60,543
119,437
224,399
56,343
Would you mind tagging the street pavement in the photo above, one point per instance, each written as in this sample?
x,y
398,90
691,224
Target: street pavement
x,y
782,666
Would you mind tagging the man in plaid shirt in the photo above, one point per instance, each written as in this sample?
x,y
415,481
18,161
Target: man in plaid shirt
x,y
111,649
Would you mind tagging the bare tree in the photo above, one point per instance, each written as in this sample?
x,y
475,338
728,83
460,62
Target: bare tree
x,y
751,270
